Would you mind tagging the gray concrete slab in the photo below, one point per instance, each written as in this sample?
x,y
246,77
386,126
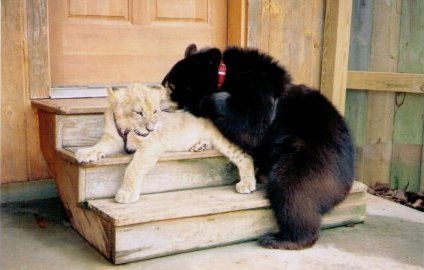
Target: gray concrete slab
x,y
391,238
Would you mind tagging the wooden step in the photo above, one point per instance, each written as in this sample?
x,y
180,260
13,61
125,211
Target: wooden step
x,y
175,222
174,171
77,122
72,105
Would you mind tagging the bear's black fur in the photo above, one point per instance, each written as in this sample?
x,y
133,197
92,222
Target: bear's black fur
x,y
299,142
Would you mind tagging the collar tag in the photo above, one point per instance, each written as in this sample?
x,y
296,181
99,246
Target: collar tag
x,y
222,70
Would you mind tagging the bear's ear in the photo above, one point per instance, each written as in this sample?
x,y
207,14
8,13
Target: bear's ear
x,y
190,50
215,56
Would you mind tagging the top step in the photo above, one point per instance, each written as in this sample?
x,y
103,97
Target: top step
x,y
72,106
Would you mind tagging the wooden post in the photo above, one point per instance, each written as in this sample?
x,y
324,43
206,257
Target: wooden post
x,y
38,49
336,51
237,23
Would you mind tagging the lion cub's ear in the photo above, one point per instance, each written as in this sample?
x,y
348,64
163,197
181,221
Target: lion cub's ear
x,y
114,95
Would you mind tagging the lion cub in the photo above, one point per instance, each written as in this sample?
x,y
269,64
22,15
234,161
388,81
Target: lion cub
x,y
137,121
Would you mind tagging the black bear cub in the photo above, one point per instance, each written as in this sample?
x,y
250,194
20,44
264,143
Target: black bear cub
x,y
299,142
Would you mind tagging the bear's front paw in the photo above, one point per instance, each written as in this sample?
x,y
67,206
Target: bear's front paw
x,y
89,155
246,187
127,195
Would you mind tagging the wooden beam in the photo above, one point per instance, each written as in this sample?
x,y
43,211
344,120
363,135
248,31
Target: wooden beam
x,y
386,81
38,48
13,86
336,51
237,23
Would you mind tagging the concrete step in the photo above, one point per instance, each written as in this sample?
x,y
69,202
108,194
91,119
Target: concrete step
x,y
180,221
174,171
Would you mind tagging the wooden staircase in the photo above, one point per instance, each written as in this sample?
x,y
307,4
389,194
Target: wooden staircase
x,y
188,200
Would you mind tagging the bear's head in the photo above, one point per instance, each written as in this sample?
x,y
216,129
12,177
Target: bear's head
x,y
193,77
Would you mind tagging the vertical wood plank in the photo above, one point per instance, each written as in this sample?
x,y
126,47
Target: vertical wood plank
x,y
409,111
296,43
36,164
38,48
254,23
13,122
38,82
380,105
422,168
237,23
336,51
356,101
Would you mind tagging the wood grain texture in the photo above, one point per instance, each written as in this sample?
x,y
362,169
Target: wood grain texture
x,y
162,238
104,181
422,168
386,81
188,234
409,111
66,176
80,130
380,106
356,101
407,142
96,44
38,48
13,88
36,164
20,141
72,106
237,23
275,28
179,204
254,23
122,158
336,51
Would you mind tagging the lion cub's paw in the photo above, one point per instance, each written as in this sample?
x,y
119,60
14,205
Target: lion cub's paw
x,y
126,195
89,155
246,187
200,146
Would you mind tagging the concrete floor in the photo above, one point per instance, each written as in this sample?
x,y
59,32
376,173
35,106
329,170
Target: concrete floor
x,y
391,238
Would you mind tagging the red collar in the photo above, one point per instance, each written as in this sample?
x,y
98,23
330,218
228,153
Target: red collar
x,y
222,70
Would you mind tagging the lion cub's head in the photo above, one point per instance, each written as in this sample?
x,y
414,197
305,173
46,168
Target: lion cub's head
x,y
137,107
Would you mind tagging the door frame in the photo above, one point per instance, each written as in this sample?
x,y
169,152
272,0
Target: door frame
x,y
39,47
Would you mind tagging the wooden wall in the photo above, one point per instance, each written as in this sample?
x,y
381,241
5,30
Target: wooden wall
x,y
291,31
21,158
388,36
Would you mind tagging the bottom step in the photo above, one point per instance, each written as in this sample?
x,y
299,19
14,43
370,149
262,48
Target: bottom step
x,y
174,222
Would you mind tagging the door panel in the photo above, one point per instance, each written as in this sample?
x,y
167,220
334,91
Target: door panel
x,y
122,41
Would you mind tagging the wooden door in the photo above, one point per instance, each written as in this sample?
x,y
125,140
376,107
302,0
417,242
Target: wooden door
x,y
122,41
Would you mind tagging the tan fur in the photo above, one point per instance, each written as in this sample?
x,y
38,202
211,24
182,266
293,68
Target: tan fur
x,y
160,131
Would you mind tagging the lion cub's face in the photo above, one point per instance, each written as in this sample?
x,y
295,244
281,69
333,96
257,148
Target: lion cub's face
x,y
137,107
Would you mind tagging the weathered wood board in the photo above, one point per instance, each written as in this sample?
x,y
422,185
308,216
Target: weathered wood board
x,y
356,101
409,111
223,226
380,106
79,130
387,127
174,171
104,181
275,28
179,204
